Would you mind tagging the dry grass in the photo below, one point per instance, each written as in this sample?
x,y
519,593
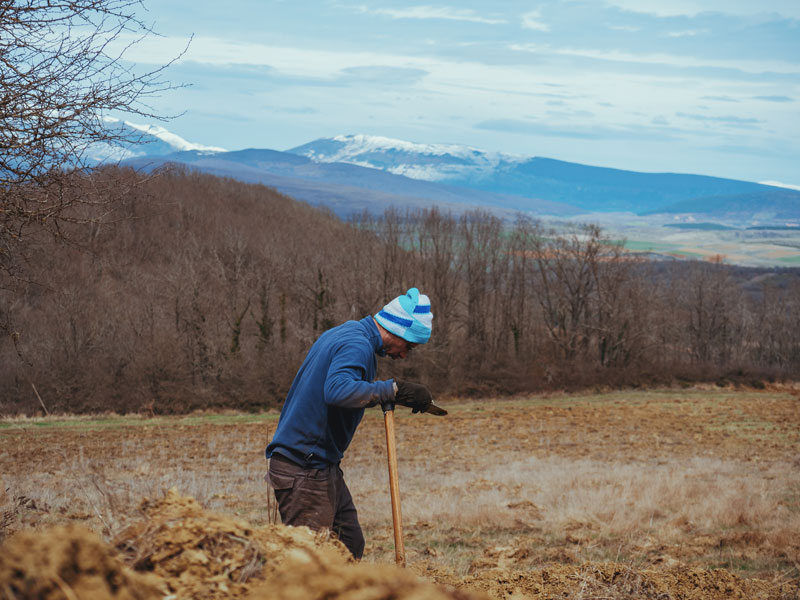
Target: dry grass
x,y
673,504
105,491
617,498
641,512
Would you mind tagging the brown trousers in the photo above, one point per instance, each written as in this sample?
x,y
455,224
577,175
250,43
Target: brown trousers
x,y
317,498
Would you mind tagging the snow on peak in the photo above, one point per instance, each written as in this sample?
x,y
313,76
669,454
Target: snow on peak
x,y
360,144
779,184
141,140
166,136
431,162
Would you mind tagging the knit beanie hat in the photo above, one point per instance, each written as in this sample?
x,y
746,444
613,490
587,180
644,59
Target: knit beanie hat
x,y
408,316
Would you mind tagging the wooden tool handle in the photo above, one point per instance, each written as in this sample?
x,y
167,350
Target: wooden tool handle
x,y
394,489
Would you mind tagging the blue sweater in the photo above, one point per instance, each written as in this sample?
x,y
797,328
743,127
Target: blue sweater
x,y
329,393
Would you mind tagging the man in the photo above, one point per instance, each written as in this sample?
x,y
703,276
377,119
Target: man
x,y
325,404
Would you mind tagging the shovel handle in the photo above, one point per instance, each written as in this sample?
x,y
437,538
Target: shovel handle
x,y
394,489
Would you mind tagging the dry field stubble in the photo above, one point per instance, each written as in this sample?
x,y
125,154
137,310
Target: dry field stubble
x,y
650,482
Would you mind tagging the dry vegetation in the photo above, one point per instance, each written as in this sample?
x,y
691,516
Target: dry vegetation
x,y
660,484
190,292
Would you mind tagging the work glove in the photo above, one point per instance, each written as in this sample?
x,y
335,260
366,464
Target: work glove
x,y
413,395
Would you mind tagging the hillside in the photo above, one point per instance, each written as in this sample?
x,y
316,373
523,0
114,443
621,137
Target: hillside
x,y
352,173
191,291
590,188
774,205
348,188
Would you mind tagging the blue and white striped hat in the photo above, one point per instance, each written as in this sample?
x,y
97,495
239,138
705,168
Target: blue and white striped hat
x,y
408,316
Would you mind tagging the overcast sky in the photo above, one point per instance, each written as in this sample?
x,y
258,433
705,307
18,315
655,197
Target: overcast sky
x,y
703,86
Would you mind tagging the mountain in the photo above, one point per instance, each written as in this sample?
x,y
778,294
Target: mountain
x,y
143,140
592,189
430,162
346,188
351,173
776,205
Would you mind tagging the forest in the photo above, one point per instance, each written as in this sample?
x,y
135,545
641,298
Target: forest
x,y
187,292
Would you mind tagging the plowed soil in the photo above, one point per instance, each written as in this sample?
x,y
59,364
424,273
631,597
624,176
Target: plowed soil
x,y
88,508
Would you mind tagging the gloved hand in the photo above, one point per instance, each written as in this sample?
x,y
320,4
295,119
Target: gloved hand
x,y
413,395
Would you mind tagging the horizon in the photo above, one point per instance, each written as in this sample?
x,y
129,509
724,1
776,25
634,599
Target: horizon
x,y
704,87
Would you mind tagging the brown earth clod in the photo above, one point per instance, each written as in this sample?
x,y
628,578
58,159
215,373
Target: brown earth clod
x,y
69,562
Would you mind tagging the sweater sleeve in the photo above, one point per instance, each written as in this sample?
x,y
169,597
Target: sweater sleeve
x,y
345,383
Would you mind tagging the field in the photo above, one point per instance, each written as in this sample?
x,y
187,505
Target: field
x,y
694,492
738,245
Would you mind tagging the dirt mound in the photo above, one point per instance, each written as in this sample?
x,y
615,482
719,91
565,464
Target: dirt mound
x,y
619,582
68,562
201,555
314,581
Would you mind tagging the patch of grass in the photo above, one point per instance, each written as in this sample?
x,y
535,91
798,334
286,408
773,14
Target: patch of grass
x,y
116,421
792,500
749,427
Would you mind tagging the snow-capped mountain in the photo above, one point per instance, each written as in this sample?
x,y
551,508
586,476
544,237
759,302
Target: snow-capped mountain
x,y
355,172
143,140
429,162
590,189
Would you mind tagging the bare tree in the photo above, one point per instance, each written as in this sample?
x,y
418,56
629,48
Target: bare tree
x,y
480,234
566,285
392,229
710,297
521,245
624,295
62,70
436,247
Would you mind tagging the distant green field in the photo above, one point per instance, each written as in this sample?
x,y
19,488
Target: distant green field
x,y
659,247
791,260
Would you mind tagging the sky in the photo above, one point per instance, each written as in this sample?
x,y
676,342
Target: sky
x,y
691,86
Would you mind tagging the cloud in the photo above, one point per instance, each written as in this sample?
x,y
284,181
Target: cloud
x,y
630,28
434,12
719,98
530,20
244,57
660,58
774,98
377,74
761,151
744,123
294,110
687,33
569,113
691,8
587,132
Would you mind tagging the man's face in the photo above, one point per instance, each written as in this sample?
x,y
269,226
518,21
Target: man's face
x,y
397,347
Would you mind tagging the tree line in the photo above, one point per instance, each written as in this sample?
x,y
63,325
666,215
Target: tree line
x,y
190,292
